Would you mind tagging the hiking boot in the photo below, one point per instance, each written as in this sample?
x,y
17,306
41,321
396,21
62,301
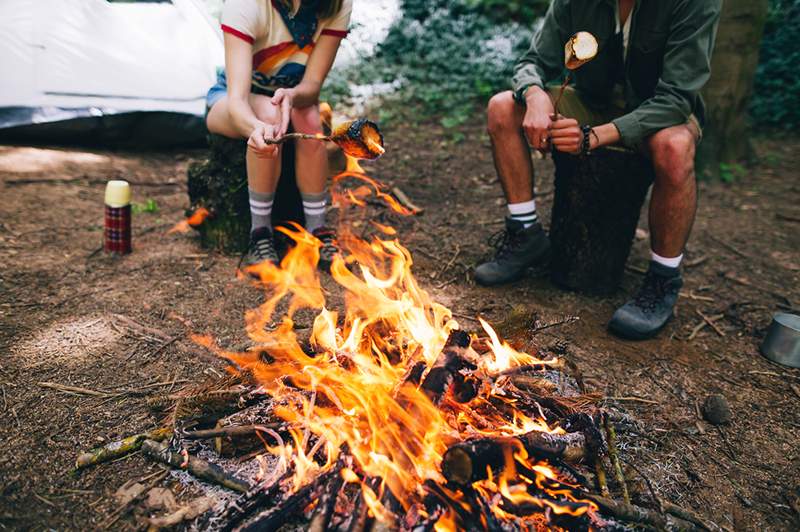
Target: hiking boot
x,y
261,248
517,250
648,312
329,249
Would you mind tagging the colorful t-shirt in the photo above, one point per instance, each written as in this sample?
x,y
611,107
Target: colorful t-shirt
x,y
281,43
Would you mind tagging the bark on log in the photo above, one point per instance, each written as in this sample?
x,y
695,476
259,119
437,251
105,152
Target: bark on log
x,y
219,183
447,373
595,212
467,462
197,467
119,448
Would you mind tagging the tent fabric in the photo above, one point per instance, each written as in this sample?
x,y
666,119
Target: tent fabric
x,y
80,60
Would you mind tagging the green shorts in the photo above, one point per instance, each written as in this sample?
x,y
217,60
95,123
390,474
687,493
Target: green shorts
x,y
573,106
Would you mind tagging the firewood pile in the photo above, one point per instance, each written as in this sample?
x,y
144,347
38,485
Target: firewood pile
x,y
551,477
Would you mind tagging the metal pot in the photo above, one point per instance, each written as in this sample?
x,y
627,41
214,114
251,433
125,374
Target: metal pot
x,y
782,344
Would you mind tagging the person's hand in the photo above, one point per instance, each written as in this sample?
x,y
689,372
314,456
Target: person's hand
x,y
256,142
536,123
284,99
567,135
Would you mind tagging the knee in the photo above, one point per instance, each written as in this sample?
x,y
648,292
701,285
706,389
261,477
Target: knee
x,y
307,120
265,110
501,113
673,151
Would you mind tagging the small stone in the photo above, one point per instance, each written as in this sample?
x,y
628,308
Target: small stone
x,y
716,410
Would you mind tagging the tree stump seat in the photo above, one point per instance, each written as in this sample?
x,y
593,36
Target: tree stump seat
x,y
595,213
219,183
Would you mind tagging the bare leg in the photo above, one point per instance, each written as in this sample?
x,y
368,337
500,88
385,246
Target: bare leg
x,y
674,199
512,156
262,173
312,156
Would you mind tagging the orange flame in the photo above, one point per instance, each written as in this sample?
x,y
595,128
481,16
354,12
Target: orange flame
x,y
195,220
352,393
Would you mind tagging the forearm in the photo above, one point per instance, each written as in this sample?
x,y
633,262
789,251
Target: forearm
x,y
604,135
242,116
306,94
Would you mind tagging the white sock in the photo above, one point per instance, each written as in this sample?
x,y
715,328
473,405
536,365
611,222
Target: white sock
x,y
524,212
260,209
664,261
314,209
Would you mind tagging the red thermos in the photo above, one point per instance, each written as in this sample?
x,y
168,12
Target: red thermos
x,y
118,218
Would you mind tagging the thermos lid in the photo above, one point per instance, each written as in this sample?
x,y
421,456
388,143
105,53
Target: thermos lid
x,y
118,193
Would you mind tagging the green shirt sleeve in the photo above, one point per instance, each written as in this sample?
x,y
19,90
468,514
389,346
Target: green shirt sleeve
x,y
544,60
687,67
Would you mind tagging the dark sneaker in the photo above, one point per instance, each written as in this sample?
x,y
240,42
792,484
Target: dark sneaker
x,y
648,312
329,248
517,250
261,249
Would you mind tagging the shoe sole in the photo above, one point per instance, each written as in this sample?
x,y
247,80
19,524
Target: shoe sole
x,y
633,335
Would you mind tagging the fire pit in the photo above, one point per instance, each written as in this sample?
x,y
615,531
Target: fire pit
x,y
388,414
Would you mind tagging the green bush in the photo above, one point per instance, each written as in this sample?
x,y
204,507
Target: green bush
x,y
448,54
776,97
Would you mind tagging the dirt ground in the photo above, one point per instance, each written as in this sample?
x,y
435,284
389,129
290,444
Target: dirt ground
x,y
72,316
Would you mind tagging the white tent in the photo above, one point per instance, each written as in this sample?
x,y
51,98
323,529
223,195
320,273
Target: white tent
x,y
99,67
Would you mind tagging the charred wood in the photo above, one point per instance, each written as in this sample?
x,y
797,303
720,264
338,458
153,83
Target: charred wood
x,y
197,467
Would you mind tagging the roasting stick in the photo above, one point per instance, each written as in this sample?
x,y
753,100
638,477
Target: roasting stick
x,y
357,138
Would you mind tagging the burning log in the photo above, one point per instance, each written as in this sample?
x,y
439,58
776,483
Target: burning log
x,y
449,371
327,504
467,462
120,448
275,517
197,467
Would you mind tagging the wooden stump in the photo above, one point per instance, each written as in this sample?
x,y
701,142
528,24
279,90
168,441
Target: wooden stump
x,y
219,183
595,212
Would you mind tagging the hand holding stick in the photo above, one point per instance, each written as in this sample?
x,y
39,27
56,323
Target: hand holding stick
x,y
357,138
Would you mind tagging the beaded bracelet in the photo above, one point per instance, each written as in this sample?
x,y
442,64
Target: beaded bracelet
x,y
586,144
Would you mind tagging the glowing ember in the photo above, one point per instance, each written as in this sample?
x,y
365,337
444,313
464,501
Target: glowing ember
x,y
195,220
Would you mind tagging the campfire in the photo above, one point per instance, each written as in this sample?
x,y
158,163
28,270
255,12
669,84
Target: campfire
x,y
388,413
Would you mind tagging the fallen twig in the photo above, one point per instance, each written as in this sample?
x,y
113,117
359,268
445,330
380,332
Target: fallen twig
x,y
75,390
614,456
117,449
406,202
712,322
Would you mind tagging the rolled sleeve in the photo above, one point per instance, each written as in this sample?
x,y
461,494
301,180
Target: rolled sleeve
x,y
544,60
339,24
240,18
687,68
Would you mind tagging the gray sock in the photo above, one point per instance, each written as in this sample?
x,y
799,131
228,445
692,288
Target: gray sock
x,y
260,209
314,209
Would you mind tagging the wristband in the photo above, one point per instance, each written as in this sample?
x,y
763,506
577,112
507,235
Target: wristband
x,y
586,144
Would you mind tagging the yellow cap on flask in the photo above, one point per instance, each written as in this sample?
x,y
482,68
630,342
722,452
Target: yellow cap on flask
x,y
118,193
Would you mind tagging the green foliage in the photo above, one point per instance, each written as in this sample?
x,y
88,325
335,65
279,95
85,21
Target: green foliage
x,y
776,97
730,173
149,206
450,54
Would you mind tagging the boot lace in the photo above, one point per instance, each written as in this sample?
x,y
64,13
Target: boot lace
x,y
263,249
504,242
330,247
653,291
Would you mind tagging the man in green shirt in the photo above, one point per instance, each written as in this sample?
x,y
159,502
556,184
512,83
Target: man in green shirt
x,y
642,91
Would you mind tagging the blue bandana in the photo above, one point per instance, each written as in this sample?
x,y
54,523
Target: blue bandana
x,y
303,25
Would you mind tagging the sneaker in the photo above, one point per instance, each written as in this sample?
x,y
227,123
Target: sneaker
x,y
648,312
261,249
518,249
329,249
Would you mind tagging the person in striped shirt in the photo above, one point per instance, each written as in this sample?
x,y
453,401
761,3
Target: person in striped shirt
x,y
277,56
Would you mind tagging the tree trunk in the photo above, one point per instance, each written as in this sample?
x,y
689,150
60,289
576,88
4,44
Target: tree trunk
x,y
219,183
726,136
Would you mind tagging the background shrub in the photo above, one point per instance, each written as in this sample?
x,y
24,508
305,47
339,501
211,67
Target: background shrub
x,y
776,97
